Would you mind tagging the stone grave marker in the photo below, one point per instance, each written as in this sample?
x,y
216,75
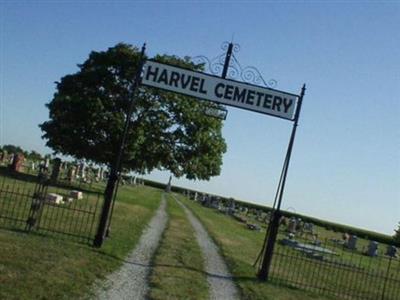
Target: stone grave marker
x,y
17,161
391,251
56,169
54,198
82,171
71,175
76,194
352,242
292,225
3,156
372,249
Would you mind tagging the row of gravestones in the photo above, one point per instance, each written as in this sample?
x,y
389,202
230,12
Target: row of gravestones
x,y
227,206
54,168
293,225
230,207
297,226
71,172
372,250
14,160
88,174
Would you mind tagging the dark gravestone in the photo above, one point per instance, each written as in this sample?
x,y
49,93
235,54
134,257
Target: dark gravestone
x,y
372,249
3,155
391,251
56,169
16,164
352,242
71,173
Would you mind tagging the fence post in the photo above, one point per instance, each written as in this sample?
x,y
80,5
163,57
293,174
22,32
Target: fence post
x,y
38,198
386,278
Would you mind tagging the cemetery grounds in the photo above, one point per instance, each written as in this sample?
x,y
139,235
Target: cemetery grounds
x,y
50,264
59,262
342,274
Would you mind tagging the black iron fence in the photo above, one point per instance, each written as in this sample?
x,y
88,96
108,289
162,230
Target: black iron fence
x,y
336,267
33,203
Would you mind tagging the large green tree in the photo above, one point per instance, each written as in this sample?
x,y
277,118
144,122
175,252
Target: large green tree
x,y
168,131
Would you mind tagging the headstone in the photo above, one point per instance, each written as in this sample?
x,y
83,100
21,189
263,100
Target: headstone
x,y
215,202
309,227
253,227
292,225
168,186
56,169
391,251
47,163
299,224
352,242
68,199
231,206
54,198
17,162
3,155
100,174
71,173
76,195
82,171
372,249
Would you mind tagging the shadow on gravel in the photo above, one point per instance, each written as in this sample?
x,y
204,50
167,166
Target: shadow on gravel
x,y
151,265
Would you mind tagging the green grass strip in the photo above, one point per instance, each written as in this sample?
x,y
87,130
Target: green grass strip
x,y
38,267
240,247
178,263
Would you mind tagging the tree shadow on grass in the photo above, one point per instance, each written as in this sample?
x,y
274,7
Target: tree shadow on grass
x,y
6,172
153,265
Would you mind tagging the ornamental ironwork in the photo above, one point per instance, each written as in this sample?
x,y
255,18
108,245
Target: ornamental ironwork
x,y
235,71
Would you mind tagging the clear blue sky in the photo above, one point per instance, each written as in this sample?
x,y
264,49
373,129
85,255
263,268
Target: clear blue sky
x,y
346,159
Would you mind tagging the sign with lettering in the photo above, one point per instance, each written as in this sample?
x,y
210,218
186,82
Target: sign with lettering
x,y
212,88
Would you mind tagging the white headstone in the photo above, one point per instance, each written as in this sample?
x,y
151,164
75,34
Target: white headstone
x,y
54,198
76,194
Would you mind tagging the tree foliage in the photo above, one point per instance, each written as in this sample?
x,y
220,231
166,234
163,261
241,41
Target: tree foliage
x,y
13,149
36,156
397,235
167,131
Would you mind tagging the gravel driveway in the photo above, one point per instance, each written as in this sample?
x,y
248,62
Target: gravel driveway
x,y
130,281
218,276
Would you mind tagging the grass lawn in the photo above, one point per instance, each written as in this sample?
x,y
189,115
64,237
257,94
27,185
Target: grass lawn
x,y
178,271
34,266
240,248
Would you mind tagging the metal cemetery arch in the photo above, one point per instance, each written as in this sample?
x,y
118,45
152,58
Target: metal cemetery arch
x,y
246,94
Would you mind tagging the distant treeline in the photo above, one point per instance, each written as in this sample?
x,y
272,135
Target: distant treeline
x,y
32,155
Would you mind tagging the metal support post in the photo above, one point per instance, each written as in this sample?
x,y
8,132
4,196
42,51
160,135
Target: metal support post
x,y
227,60
272,231
116,167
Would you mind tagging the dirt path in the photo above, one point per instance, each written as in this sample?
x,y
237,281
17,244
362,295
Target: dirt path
x,y
130,281
218,276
